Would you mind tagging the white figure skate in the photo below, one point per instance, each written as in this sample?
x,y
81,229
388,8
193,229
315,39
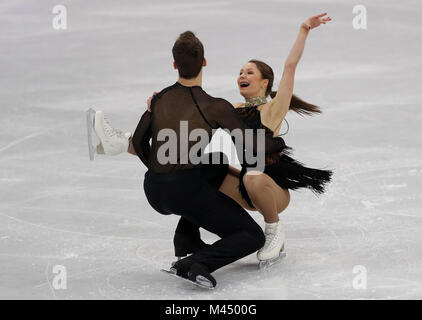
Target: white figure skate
x,y
273,249
112,141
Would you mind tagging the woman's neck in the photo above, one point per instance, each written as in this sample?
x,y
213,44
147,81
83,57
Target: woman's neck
x,y
255,101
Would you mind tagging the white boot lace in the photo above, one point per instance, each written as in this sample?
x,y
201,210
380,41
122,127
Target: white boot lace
x,y
272,237
112,132
271,240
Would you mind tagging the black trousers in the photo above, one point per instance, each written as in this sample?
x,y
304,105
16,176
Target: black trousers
x,y
192,195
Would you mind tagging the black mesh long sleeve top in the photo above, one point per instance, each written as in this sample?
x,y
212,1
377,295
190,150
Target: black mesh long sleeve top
x,y
182,110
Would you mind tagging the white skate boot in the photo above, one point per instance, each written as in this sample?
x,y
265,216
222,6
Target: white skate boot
x,y
112,141
273,249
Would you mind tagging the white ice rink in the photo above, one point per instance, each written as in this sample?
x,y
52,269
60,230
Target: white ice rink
x,y
59,209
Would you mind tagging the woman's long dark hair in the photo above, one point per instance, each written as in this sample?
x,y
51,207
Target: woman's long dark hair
x,y
296,104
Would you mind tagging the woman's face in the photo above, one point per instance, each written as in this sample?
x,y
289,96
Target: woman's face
x,y
250,81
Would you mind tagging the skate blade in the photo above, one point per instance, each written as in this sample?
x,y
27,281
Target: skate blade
x,y
90,114
263,265
201,281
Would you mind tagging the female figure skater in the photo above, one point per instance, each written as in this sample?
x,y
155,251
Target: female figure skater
x,y
266,192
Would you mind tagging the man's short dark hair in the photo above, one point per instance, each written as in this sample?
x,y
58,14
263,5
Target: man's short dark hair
x,y
188,53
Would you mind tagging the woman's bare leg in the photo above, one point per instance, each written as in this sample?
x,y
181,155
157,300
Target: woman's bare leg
x,y
268,197
230,188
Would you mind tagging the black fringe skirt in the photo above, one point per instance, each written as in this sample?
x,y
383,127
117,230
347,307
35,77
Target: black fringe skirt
x,y
291,174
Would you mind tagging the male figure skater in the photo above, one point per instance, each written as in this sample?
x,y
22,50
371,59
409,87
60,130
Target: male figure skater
x,y
176,184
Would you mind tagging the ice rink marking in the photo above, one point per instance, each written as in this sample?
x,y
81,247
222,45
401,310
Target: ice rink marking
x,y
13,143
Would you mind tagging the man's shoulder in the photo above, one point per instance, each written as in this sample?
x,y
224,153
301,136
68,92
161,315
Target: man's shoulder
x,y
218,100
163,91
160,94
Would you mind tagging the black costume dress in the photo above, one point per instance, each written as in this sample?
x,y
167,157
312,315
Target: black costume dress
x,y
284,170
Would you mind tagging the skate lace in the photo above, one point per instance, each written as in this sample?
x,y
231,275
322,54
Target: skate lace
x,y
271,240
112,132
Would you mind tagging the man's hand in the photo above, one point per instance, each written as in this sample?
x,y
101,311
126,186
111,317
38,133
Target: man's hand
x,y
149,101
315,21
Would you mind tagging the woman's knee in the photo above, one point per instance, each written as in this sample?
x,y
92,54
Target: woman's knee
x,y
255,182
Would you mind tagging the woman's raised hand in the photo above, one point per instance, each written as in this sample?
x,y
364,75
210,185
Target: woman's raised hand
x,y
315,21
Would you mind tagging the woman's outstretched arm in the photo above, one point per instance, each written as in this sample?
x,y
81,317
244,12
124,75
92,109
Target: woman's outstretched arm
x,y
279,106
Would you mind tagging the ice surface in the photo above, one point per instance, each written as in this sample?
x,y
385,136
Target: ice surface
x,y
59,208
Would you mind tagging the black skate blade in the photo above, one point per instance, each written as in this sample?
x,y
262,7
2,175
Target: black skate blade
x,y
90,114
264,265
201,282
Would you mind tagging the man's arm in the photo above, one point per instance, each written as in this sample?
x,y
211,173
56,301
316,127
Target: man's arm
x,y
141,137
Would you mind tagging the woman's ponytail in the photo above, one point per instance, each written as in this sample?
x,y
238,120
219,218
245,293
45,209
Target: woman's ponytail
x,y
303,107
